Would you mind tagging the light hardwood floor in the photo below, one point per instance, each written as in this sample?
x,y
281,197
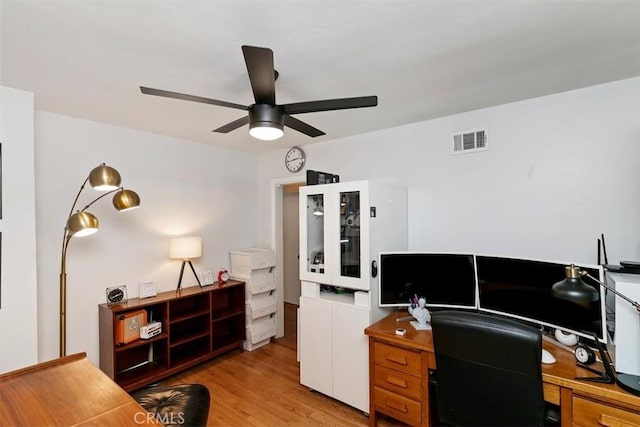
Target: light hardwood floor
x,y
262,388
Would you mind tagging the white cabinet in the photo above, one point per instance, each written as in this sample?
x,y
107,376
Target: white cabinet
x,y
343,228
255,266
334,349
627,321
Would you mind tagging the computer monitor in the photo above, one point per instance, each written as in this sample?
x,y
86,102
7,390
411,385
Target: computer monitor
x,y
444,280
521,288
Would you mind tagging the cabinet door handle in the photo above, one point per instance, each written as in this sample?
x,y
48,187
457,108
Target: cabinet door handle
x,y
399,360
397,406
609,421
397,382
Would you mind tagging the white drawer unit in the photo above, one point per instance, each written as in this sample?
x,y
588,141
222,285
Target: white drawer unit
x,y
256,267
262,280
244,261
260,305
259,332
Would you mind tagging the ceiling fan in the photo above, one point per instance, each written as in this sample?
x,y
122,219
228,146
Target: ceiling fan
x,y
267,119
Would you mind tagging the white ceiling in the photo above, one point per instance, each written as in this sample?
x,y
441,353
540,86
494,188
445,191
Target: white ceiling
x,y
423,59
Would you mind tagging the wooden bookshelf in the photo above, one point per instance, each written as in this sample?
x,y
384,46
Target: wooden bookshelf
x,y
197,325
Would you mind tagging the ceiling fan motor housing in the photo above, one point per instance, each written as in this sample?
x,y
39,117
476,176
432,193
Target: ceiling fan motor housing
x,y
265,115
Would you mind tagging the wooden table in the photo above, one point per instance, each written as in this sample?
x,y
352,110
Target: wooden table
x,y
65,392
399,372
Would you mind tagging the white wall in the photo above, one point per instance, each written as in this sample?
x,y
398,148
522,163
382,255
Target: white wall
x,y
561,170
186,188
18,312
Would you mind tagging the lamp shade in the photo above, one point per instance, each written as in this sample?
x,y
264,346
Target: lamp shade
x,y
573,288
185,247
125,200
82,224
104,178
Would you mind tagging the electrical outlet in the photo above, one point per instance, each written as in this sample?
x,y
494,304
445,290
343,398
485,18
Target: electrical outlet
x,y
207,277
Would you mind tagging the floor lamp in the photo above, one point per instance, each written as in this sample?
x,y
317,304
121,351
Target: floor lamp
x,y
185,249
82,223
574,289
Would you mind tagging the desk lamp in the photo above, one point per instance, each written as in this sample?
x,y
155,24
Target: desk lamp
x,y
83,223
185,249
574,289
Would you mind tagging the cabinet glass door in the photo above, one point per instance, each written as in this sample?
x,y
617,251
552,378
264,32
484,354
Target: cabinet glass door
x,y
350,245
315,232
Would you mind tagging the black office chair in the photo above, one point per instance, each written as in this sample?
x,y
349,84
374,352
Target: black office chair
x,y
488,371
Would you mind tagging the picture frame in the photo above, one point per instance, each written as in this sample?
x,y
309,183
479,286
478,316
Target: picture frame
x,y
147,290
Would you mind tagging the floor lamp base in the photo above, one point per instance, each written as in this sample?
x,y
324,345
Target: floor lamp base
x,y
629,382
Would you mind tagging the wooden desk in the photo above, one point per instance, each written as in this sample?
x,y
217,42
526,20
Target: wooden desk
x,y
64,392
399,370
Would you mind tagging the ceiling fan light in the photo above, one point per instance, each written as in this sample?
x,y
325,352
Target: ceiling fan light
x,y
266,131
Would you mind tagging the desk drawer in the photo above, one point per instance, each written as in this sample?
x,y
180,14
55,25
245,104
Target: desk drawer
x,y
397,358
398,382
398,407
588,413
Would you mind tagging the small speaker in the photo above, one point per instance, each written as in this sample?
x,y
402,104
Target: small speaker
x,y
565,338
127,328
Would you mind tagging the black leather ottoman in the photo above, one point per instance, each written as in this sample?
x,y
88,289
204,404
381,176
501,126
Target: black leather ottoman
x,y
183,405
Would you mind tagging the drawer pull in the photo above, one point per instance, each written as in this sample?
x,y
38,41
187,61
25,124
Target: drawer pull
x,y
399,360
609,421
397,406
397,382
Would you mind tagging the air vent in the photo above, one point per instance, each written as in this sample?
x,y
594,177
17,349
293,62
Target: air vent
x,y
469,141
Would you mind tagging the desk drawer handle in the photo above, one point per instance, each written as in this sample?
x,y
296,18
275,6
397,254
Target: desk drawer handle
x,y
608,421
398,360
397,406
397,382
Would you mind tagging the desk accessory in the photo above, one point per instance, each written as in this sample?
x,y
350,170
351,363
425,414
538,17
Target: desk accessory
x,y
83,223
150,330
574,289
223,275
207,278
566,338
147,290
185,249
418,310
117,295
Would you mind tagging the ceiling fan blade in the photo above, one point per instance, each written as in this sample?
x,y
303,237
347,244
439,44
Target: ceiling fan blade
x,y
185,97
259,62
330,104
233,125
301,126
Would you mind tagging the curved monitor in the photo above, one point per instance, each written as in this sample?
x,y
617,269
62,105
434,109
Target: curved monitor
x,y
444,280
521,288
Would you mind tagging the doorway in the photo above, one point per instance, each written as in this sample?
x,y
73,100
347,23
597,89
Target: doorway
x,y
291,258
284,227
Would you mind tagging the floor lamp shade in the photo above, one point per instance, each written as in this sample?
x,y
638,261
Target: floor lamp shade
x,y
104,178
185,248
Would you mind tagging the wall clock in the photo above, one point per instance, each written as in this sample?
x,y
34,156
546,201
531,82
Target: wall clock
x,y
295,159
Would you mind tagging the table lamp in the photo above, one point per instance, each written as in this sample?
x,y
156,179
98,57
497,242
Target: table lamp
x,y
185,249
83,223
574,289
